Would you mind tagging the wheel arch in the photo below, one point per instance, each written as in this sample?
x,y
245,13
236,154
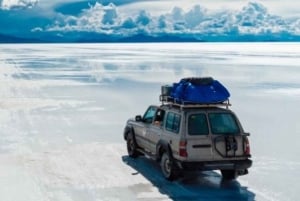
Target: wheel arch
x,y
128,129
162,147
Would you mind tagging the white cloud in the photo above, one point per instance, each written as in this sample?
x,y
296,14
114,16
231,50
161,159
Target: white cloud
x,y
253,19
17,4
37,29
96,18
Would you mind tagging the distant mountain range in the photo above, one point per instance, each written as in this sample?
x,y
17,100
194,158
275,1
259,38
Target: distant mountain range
x,y
92,38
102,38
13,39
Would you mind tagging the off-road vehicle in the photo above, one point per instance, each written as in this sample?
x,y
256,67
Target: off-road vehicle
x,y
191,135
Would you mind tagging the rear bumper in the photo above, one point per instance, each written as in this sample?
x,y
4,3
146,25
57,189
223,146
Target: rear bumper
x,y
216,165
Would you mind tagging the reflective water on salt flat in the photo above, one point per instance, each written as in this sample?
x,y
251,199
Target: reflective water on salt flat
x,y
56,95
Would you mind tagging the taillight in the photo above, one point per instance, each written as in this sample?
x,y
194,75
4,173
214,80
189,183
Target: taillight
x,y
246,146
182,148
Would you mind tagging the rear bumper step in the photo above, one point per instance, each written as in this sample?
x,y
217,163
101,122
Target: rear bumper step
x,y
216,165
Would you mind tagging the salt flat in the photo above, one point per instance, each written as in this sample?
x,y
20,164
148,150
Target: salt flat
x,y
63,108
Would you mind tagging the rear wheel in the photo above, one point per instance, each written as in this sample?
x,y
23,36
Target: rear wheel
x,y
132,146
168,167
229,174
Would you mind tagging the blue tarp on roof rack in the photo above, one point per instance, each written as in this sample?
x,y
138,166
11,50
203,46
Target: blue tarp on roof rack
x,y
199,91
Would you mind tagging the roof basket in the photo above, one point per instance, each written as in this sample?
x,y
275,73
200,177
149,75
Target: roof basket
x,y
195,92
167,100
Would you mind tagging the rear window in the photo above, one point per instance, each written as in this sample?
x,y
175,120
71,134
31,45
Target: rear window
x,y
223,123
197,124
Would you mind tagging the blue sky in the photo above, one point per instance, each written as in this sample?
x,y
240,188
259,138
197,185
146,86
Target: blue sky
x,y
149,20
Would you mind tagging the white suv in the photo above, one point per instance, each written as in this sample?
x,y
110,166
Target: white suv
x,y
190,137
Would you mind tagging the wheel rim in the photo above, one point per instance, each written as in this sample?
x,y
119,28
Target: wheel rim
x,y
167,166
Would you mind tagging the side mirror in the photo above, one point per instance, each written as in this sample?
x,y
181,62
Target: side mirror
x,y
247,134
138,118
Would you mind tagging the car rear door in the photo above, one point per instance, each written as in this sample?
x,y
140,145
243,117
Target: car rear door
x,y
199,143
227,138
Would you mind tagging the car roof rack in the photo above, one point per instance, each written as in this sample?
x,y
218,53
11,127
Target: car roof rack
x,y
183,104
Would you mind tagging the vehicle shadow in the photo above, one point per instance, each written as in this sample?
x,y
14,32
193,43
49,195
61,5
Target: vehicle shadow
x,y
206,185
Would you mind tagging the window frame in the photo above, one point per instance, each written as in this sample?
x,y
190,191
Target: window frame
x,y
161,120
144,116
206,121
234,119
175,115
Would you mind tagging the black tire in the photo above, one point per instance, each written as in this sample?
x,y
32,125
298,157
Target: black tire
x,y
229,174
132,146
168,167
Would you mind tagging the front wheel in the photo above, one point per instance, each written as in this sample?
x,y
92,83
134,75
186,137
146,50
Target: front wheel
x,y
229,174
168,167
132,146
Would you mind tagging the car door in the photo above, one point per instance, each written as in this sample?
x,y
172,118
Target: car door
x,y
226,135
199,143
172,131
155,130
142,128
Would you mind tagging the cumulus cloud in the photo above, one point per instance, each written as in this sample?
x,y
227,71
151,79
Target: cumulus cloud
x,y
253,20
95,19
17,4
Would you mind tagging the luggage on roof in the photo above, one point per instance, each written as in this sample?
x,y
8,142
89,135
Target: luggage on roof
x,y
196,91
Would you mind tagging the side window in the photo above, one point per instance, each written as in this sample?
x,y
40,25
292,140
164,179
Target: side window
x,y
159,117
169,122
148,116
173,122
197,124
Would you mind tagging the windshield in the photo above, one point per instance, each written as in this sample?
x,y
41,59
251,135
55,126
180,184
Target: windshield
x,y
223,123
